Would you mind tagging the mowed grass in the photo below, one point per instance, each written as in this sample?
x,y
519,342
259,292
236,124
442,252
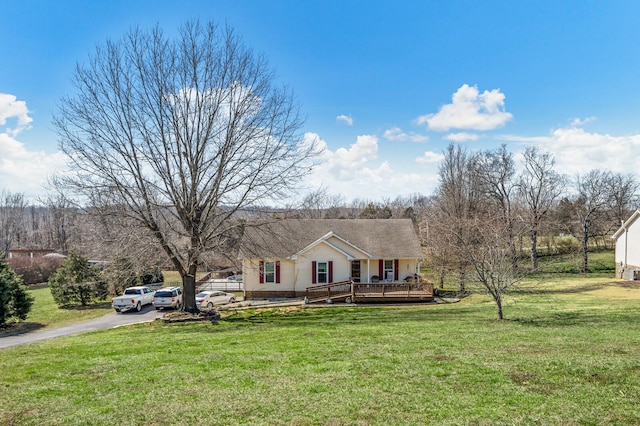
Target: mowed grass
x,y
46,314
567,354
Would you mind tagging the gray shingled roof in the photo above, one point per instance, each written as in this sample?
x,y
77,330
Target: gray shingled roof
x,y
382,238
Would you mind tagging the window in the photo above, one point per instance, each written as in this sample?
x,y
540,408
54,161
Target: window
x,y
388,270
322,273
269,272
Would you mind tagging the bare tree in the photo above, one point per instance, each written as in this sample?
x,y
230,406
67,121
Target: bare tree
x,y
316,204
457,198
490,258
540,187
624,193
12,219
179,135
496,173
593,198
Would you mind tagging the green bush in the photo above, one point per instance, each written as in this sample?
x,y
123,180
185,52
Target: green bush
x,y
15,301
152,276
122,273
77,283
567,244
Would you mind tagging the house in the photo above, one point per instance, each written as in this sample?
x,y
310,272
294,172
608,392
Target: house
x,y
28,253
627,241
284,258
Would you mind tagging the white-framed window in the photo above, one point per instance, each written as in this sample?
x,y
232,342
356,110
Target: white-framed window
x,y
270,272
389,272
322,272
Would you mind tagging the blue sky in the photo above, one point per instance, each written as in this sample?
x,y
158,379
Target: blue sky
x,y
385,85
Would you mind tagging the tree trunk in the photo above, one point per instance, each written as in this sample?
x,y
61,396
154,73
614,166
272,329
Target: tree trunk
x,y
498,301
462,277
534,249
585,244
189,290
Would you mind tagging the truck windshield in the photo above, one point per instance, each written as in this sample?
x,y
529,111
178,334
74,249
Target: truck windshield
x,y
132,291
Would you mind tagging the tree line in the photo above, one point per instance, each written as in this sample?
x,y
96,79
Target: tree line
x,y
177,144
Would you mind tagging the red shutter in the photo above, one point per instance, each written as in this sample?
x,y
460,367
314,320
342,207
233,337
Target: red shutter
x,y
331,271
262,272
278,272
381,270
395,269
313,272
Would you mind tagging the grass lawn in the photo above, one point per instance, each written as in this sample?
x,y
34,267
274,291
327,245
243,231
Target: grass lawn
x,y
567,354
46,314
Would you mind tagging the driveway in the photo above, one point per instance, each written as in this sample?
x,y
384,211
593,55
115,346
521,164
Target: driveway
x,y
111,320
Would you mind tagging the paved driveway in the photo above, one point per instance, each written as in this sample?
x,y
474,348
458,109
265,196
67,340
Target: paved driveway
x,y
111,320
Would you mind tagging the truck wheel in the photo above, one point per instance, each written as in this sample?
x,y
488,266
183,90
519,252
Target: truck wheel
x,y
138,307
117,310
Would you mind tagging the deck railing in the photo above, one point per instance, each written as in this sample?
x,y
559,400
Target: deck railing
x,y
374,292
326,292
393,291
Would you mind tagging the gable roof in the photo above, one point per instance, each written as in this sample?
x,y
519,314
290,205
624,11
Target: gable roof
x,y
626,224
379,238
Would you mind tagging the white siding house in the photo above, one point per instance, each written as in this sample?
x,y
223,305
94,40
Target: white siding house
x,y
627,256
286,257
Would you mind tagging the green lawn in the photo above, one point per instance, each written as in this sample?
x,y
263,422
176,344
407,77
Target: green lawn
x,y
567,354
46,314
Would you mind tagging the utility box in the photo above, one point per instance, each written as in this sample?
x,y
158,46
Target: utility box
x,y
630,275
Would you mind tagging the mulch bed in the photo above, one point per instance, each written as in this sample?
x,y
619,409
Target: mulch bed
x,y
180,316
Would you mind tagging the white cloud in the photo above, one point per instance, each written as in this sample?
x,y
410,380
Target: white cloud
x,y
578,151
347,119
396,134
461,137
430,157
26,171
357,171
11,107
469,110
21,170
577,122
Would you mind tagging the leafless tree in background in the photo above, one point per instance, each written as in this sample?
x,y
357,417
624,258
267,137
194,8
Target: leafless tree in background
x,y
624,193
593,198
12,213
457,199
178,136
496,174
540,187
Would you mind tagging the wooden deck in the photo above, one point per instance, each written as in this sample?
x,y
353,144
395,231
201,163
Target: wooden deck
x,y
348,291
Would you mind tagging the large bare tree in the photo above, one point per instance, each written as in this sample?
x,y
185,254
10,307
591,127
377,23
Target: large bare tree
x,y
496,173
593,200
457,199
540,187
180,134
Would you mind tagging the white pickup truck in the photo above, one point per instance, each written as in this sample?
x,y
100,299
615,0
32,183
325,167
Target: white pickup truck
x,y
133,298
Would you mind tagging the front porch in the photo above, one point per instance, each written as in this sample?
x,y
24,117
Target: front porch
x,y
373,292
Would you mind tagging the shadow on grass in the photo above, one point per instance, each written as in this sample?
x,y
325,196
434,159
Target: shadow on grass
x,y
361,314
97,305
533,290
627,318
18,328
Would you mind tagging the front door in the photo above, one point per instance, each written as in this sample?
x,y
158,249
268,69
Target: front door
x,y
355,271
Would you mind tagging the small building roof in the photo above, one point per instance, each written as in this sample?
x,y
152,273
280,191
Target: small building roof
x,y
379,238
